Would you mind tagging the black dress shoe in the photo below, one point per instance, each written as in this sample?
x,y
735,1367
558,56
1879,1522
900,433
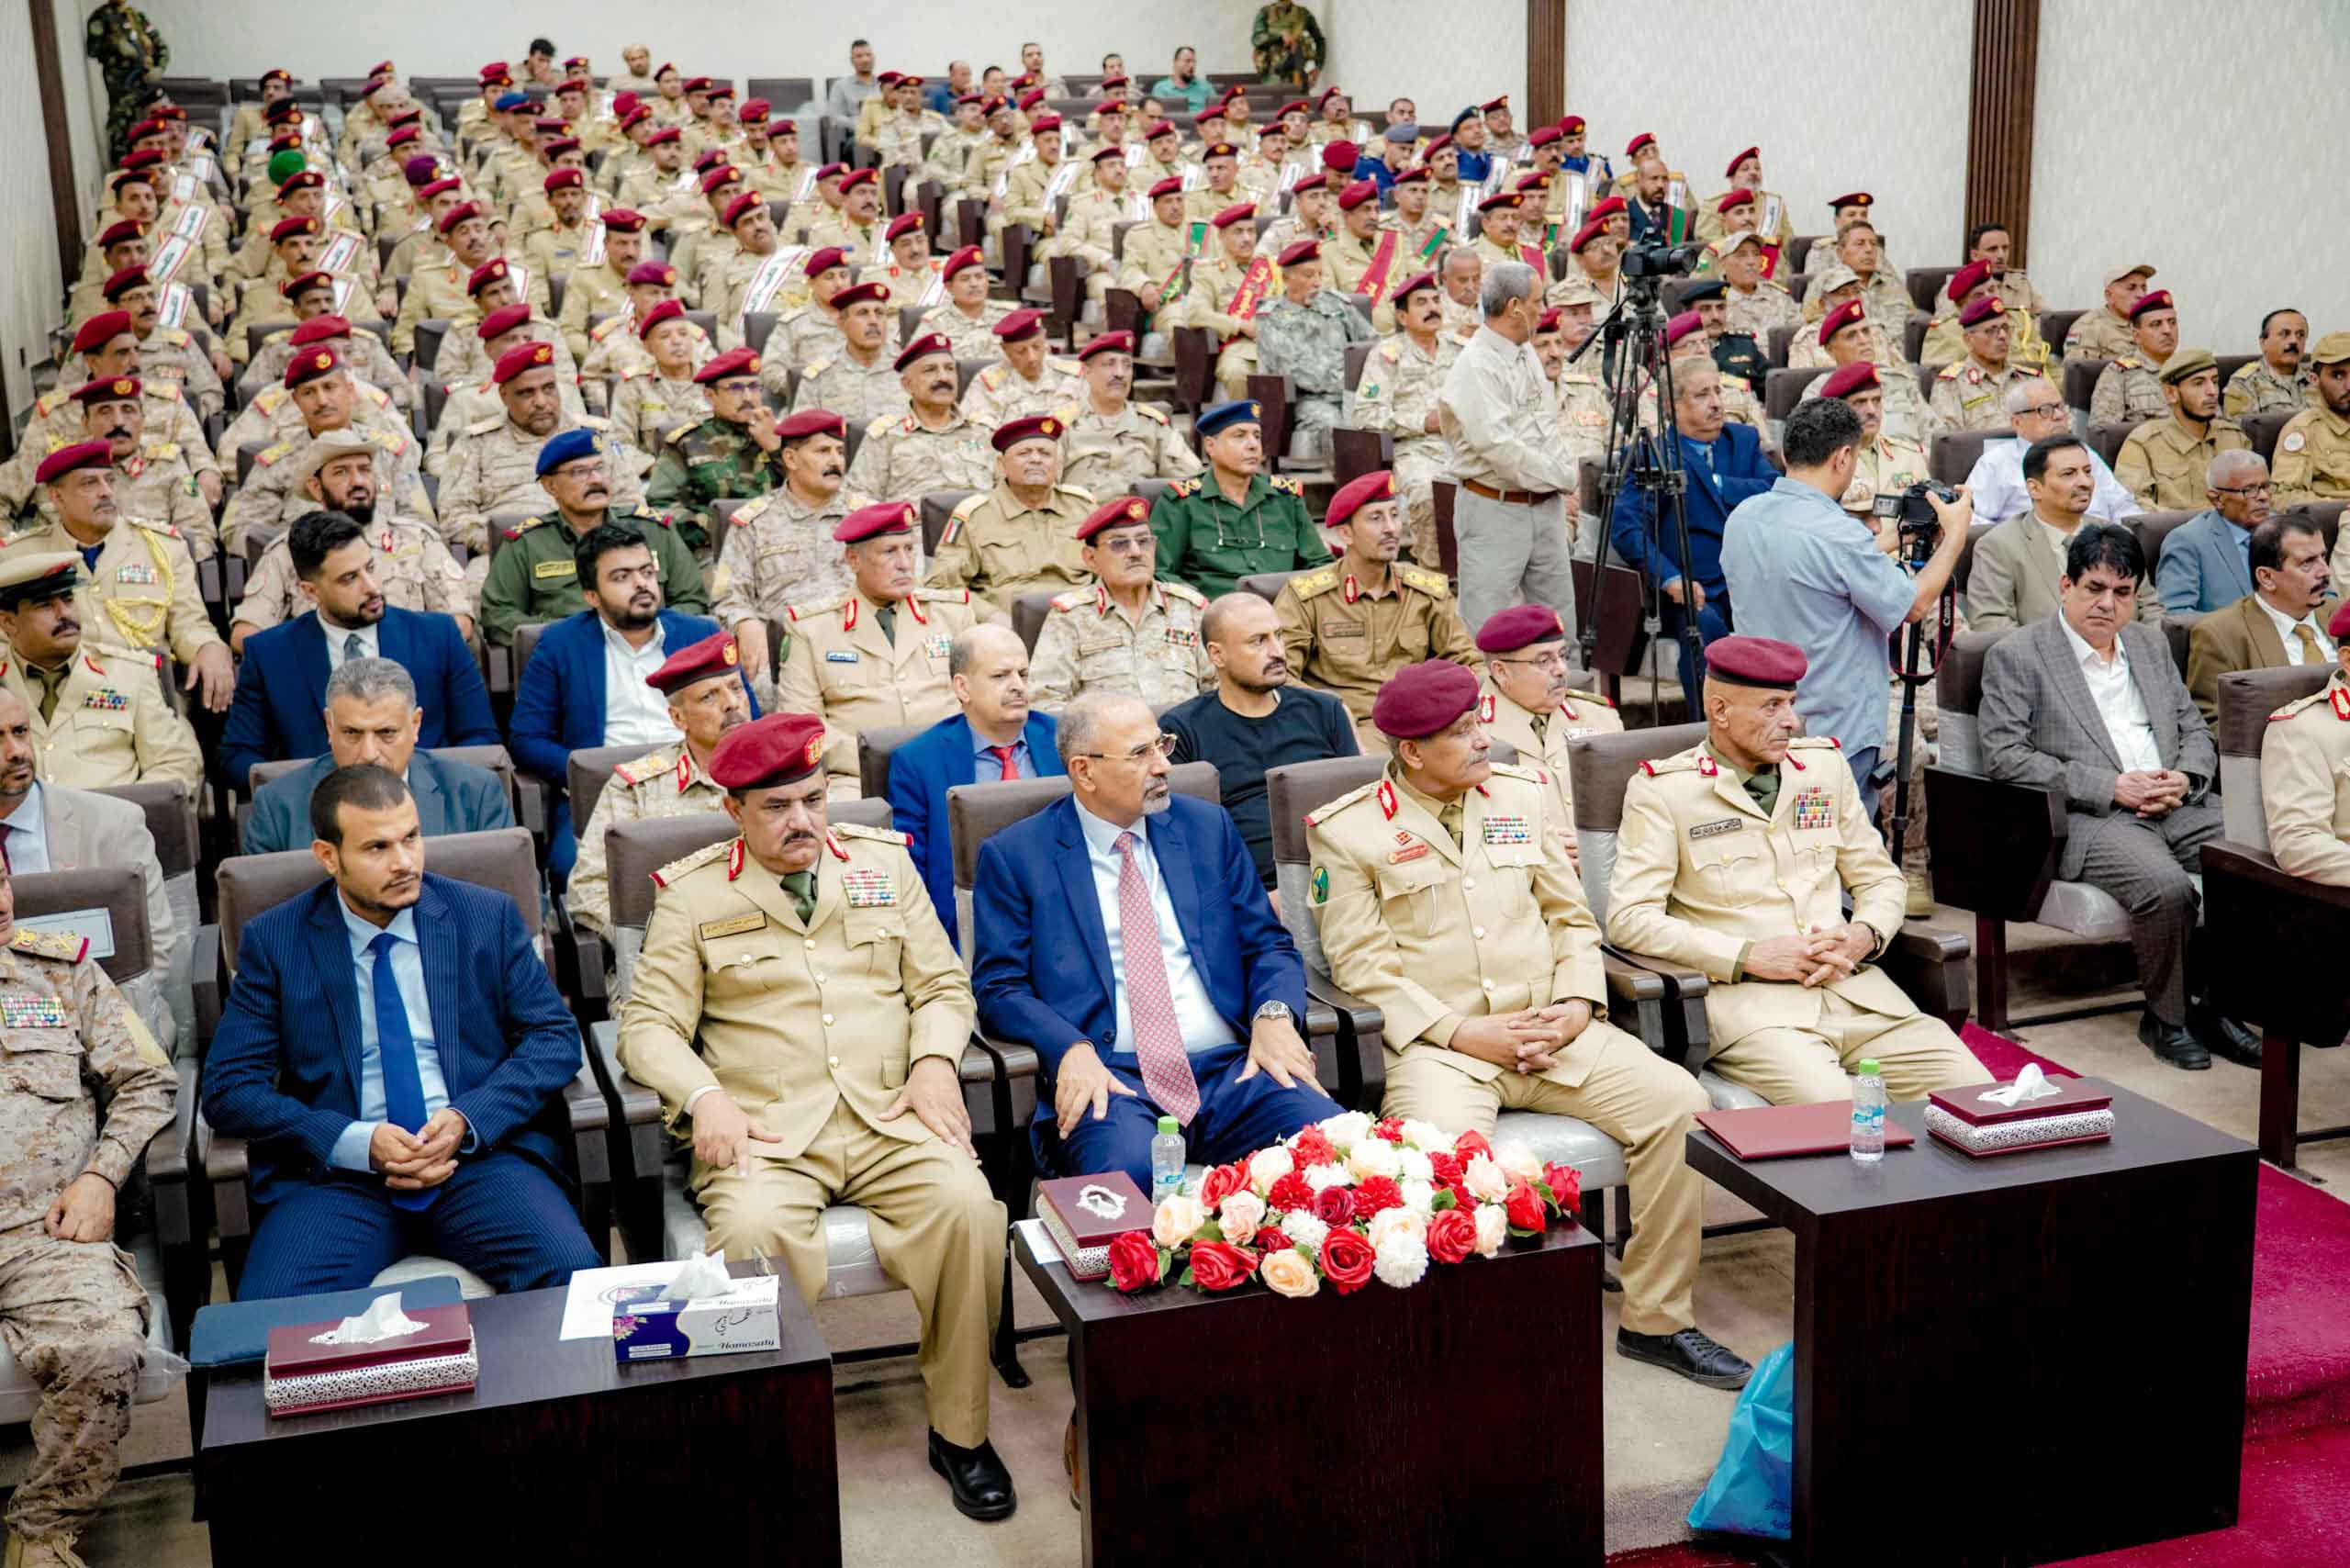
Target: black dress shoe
x,y
981,1485
2224,1037
2172,1042
1689,1353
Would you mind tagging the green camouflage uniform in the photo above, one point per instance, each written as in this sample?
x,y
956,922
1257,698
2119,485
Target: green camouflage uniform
x,y
1308,343
129,53
701,465
525,584
1205,541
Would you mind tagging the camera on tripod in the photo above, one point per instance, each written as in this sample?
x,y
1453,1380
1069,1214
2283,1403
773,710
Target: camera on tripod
x,y
1920,523
1653,258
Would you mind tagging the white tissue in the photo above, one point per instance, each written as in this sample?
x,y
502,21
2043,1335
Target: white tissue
x,y
382,1320
2030,1084
704,1275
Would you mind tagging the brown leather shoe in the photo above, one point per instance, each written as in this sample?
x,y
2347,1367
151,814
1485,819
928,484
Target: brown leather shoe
x,y
1069,1461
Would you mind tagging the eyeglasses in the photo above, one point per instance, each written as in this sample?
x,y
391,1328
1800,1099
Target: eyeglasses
x,y
1557,661
2246,490
1163,746
2048,411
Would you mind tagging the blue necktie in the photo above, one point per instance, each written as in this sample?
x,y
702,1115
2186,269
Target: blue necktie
x,y
396,1053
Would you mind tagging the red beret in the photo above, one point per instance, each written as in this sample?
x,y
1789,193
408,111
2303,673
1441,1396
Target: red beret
x,y
319,328
742,205
1044,123
1507,631
726,89
831,171
824,259
1732,172
811,421
665,310
101,329
1377,486
660,135
717,175
1500,201
754,111
489,272
1303,250
147,128
1533,180
2339,627
725,367
1171,186
860,294
904,223
1632,147
503,320
1118,513
1020,326
1440,144
1549,321
921,348
134,170
1756,661
1570,125
1412,285
1740,198
1341,157
1546,135
520,358
1610,207
1846,379
1357,193
309,366
702,83
1326,94
1294,106
856,177
645,272
1968,278
563,179
401,134
1852,198
1681,326
1035,427
969,257
2157,300
1836,320
279,73
573,84
1031,99
883,517
886,79
1108,342
302,180
779,748
122,283
458,213
495,69
65,459
1218,150
285,229
1108,150
1417,174
431,188
1164,128
1586,234
106,391
1987,309
1419,699
1242,212
623,220
314,278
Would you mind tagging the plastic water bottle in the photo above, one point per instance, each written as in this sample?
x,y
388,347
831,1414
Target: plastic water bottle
x,y
1868,1114
1166,1162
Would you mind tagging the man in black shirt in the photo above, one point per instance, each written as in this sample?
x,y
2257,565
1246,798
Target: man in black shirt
x,y
1254,720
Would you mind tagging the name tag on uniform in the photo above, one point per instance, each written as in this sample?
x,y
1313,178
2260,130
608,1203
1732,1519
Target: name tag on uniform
x,y
1815,807
1709,830
734,928
938,647
868,889
1506,830
105,699
1410,852
1345,629
134,573
33,1012
840,656
555,569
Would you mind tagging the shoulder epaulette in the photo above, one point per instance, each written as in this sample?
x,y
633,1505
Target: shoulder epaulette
x,y
1600,698
1183,487
943,596
488,426
991,377
58,945
2290,709
1307,585
815,606
1183,592
1680,762
1949,372
709,854
883,423
153,525
652,765
270,455
877,835
816,369
1818,741
163,451
2126,362
179,338
594,422
169,391
524,527
1527,774
390,440
1075,598
1432,584
1288,486
1329,809
1079,491
968,504
1391,351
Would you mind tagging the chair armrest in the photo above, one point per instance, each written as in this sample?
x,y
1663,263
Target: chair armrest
x,y
1361,1066
1933,967
1002,1081
581,957
166,1162
591,1122
226,1169
535,797
1966,810
2260,921
208,982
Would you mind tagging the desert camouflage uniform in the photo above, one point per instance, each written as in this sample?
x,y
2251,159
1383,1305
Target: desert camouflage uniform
x,y
901,458
778,551
1088,644
1106,453
663,783
999,394
493,467
1397,392
1308,343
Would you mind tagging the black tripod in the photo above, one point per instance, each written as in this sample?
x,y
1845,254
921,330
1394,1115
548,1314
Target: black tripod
x,y
1912,639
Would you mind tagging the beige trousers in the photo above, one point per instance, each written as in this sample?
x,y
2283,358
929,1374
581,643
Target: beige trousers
x,y
1796,1067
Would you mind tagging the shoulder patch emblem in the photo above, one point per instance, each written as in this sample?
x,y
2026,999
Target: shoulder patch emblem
x,y
1183,488
1427,582
1288,486
875,834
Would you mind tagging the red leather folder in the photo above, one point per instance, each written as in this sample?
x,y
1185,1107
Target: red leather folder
x,y
1778,1132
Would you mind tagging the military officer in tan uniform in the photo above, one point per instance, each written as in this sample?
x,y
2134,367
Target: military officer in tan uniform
x,y
600,287
1971,394
909,276
2281,380
1949,335
73,1311
363,353
1755,304
1397,397
324,398
1020,536
2163,460
1888,463
1582,413
1350,626
109,347
1028,381
443,293
2130,388
1848,337
494,464
1525,699
657,398
858,231
99,718
968,317
799,1008
932,445
781,547
707,703
1113,441
2305,774
875,656
2104,334
151,477
614,349
857,377
167,353
1442,902
1151,268
2313,449
1734,858
1221,297
1130,634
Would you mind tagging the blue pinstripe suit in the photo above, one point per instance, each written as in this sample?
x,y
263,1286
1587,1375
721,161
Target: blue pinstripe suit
x,y
283,1073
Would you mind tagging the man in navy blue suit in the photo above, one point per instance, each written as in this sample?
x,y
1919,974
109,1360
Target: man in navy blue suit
x,y
279,711
394,1049
1726,466
585,685
1123,933
996,736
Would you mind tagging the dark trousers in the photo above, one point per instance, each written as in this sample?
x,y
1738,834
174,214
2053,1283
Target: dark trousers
x,y
2144,863
1235,1119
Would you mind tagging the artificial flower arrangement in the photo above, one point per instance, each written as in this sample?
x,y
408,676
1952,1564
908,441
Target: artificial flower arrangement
x,y
1342,1202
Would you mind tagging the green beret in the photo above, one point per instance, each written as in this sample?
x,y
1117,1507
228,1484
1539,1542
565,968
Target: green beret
x,y
284,166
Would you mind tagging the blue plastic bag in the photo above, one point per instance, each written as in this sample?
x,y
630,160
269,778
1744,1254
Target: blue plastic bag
x,y
1753,1487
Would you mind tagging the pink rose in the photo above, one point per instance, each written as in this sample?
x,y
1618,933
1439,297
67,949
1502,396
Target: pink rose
x,y
1240,1215
1565,1183
1334,1206
1347,1261
1452,1236
1134,1260
1524,1206
1219,1265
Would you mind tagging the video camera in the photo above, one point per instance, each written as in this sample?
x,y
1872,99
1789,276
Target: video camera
x,y
1653,258
1920,523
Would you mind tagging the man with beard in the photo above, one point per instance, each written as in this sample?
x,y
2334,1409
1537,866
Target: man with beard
x,y
337,471
97,717
534,576
494,465
108,346
587,685
734,453
276,714
781,547
2162,462
934,445
1111,441
325,399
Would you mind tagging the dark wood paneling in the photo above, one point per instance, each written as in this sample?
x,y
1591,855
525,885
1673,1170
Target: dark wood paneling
x,y
1998,122
55,115
1546,64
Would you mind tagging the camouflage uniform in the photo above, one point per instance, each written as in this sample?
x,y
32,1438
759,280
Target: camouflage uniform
x,y
72,1313
901,458
465,362
1583,413
999,549
802,335
141,591
704,463
1397,392
57,421
109,722
663,783
1755,314
438,293
533,576
267,504
908,289
272,416
364,355
859,394
468,405
589,292
972,340
649,405
778,551
412,566
1088,644
2165,469
1969,397
2129,388
614,350
1308,343
863,242
2099,334
494,468
1106,453
841,666
172,356
2254,389
1946,342
999,393
1348,642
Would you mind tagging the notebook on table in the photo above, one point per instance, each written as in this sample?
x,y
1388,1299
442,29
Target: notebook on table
x,y
1779,1132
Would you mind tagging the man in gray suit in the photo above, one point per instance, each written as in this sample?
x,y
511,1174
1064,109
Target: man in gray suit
x,y
372,716
2090,704
2018,563
2206,560
48,827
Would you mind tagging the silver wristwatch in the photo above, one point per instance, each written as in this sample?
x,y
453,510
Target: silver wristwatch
x,y
1277,1010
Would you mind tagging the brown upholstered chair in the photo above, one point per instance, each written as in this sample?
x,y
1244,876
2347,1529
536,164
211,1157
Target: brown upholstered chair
x,y
581,957
875,747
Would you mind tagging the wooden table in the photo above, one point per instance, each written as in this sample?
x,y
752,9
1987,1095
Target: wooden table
x,y
2015,1359
558,1453
1458,1420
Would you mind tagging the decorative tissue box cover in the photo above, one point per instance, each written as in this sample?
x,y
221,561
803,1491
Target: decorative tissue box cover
x,y
301,1375
1084,1214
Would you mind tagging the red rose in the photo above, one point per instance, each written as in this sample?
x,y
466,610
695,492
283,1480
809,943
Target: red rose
x,y
1347,1259
1445,1168
1565,1183
1221,1183
1312,1147
1134,1260
1462,1197
1376,1192
1270,1238
1334,1205
1291,1192
1524,1206
1470,1144
1219,1265
1391,1129
1452,1235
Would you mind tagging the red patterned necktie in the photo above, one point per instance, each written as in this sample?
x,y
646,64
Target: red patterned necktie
x,y
1003,756
1158,1044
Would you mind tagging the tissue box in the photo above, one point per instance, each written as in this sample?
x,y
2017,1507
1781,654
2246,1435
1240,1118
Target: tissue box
x,y
647,1328
1084,1214
299,1375
2081,1111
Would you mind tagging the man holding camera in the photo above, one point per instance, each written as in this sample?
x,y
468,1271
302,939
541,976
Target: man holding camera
x,y
1802,570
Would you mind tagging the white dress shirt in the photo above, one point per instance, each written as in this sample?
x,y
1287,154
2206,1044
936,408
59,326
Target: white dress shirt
x,y
1995,485
407,973
2118,702
27,838
635,714
371,646
2294,653
1202,1027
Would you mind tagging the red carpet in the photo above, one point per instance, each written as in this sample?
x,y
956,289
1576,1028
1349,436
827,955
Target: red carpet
x,y
2004,1057
1685,1554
